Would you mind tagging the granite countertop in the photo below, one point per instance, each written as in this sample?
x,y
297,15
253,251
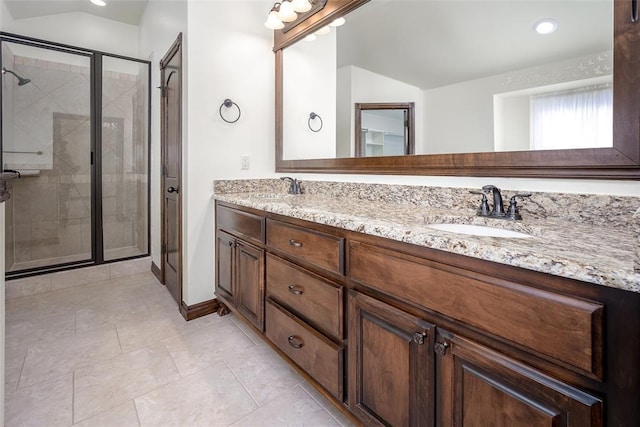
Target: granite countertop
x,y
594,254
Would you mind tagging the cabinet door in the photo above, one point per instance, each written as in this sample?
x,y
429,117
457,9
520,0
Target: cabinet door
x,y
391,364
249,278
224,267
478,386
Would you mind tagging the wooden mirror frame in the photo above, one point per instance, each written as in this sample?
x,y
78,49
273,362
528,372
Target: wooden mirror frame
x,y
409,125
620,162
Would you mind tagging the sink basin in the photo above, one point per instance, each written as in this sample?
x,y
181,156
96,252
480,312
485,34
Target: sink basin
x,y
479,230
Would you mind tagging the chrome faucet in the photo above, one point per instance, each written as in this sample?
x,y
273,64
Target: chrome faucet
x,y
294,185
497,210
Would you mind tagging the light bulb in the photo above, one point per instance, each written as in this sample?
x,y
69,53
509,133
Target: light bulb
x,y
301,6
545,26
99,2
309,38
273,22
338,22
286,13
324,30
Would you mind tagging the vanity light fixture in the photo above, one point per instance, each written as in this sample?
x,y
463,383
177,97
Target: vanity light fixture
x,y
286,12
545,26
99,2
273,22
310,38
301,6
338,22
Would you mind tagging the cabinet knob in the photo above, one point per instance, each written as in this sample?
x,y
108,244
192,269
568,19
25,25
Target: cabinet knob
x,y
230,243
440,348
418,337
295,290
294,243
293,342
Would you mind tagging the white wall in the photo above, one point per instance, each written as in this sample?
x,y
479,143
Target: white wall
x,y
459,118
77,29
230,56
2,317
159,27
367,87
309,69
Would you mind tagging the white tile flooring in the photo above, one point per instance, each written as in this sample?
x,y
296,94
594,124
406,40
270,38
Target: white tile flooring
x,y
117,353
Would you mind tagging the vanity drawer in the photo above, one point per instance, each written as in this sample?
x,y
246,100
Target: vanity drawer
x,y
566,329
319,357
248,226
320,249
316,300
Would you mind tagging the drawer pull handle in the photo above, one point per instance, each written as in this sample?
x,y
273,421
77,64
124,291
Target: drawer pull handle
x,y
294,290
294,243
292,342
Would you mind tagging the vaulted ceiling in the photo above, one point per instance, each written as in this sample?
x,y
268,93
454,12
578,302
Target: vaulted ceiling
x,y
127,11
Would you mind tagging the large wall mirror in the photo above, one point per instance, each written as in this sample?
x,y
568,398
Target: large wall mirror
x,y
491,95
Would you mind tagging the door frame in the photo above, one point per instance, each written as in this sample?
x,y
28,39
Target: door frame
x,y
173,50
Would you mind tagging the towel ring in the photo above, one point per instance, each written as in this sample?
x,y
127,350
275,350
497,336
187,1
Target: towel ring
x,y
228,104
314,116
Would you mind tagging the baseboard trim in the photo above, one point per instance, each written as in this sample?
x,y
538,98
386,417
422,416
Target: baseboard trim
x,y
190,312
156,271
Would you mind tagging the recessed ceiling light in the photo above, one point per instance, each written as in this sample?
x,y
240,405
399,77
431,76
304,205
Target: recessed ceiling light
x,y
545,26
99,2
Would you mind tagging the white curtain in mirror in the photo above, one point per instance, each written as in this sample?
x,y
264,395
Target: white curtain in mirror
x,y
580,118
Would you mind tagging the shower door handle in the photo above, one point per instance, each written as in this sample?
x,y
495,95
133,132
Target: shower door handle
x,y
172,190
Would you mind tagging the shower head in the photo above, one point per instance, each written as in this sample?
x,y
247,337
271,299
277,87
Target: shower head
x,y
21,80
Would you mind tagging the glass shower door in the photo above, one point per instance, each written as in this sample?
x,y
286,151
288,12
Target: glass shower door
x,y
125,157
46,136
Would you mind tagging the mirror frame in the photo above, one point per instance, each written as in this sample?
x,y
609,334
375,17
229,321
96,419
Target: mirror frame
x,y
622,161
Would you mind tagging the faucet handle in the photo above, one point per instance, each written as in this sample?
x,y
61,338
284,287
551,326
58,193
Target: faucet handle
x,y
483,210
513,211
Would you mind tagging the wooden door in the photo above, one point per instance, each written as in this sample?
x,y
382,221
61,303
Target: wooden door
x,y
171,152
249,282
391,364
479,387
225,289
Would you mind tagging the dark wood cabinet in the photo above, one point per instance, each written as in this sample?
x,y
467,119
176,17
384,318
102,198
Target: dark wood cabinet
x,y
249,278
240,276
391,364
224,267
430,338
478,386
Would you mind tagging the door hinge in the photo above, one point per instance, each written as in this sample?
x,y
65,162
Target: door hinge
x,y
418,337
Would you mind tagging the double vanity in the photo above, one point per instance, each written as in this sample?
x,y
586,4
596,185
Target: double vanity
x,y
400,322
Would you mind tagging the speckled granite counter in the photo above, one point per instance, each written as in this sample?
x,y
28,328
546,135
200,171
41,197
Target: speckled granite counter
x,y
599,245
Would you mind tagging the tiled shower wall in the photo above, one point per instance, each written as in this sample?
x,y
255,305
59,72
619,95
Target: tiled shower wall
x,y
49,221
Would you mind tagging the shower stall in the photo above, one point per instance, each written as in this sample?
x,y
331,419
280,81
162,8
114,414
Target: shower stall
x,y
75,126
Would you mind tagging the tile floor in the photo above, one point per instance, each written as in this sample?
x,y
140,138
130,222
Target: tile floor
x,y
117,353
